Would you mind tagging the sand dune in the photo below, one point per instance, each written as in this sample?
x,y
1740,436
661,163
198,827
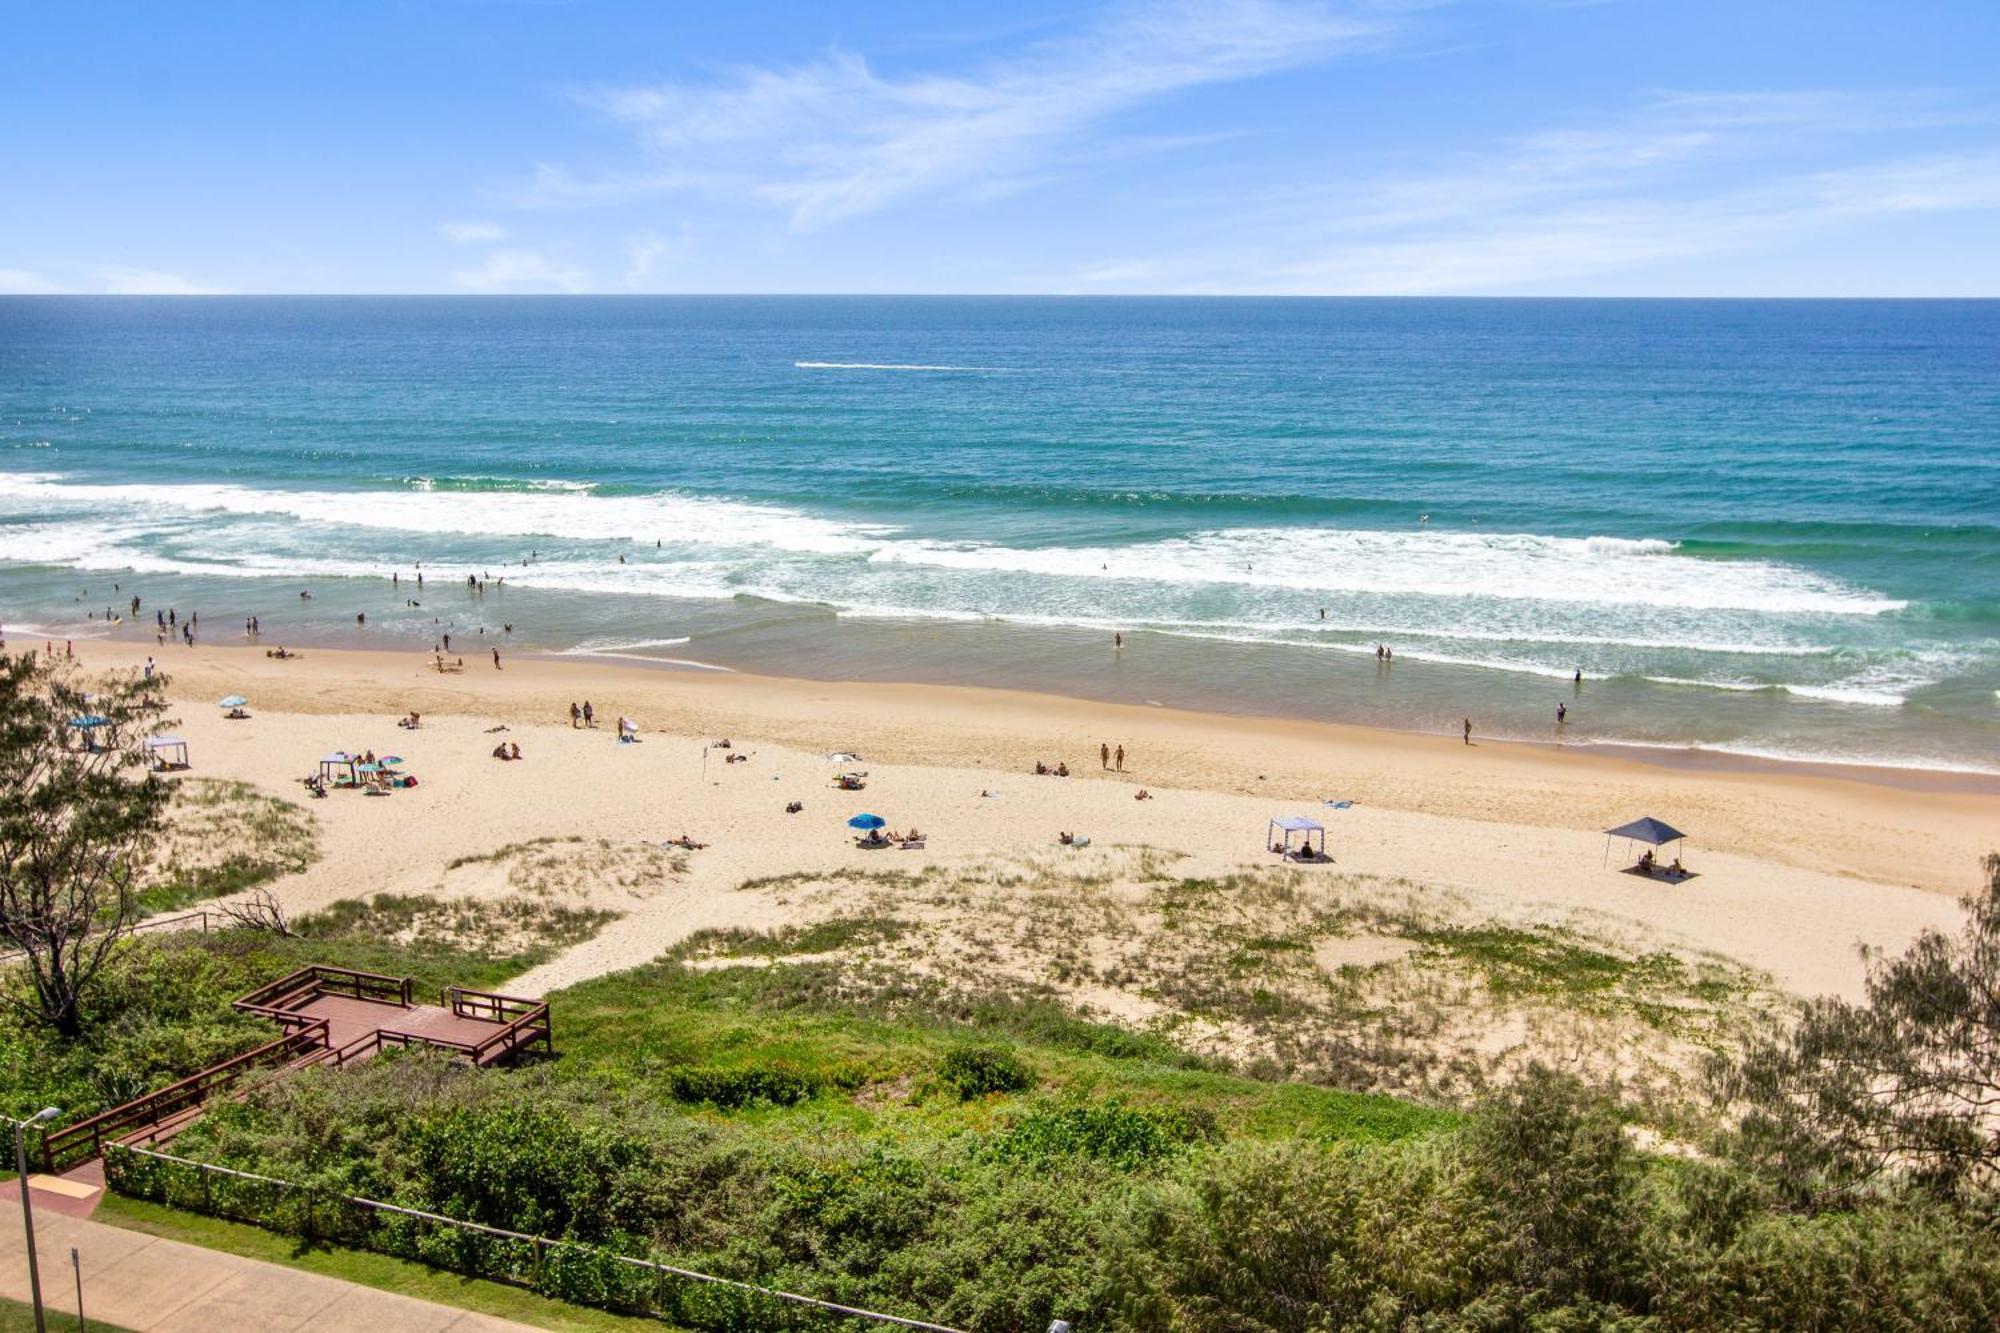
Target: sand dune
x,y
1797,869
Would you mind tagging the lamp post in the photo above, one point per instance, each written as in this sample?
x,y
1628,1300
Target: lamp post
x,y
43,1116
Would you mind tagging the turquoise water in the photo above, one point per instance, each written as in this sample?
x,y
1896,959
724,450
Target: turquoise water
x,y
1764,527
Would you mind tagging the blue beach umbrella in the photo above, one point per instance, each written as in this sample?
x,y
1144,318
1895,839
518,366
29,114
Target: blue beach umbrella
x,y
231,701
387,759
866,822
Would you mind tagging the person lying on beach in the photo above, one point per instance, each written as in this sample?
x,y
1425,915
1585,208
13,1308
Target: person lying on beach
x,y
1065,839
1142,795
685,841
500,750
794,807
736,759
412,722
722,744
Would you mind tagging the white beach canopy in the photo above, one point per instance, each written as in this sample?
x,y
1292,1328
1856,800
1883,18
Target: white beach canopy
x,y
168,752
1282,830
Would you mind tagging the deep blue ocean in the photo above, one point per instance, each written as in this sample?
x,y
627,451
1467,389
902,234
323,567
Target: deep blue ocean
x,y
1762,527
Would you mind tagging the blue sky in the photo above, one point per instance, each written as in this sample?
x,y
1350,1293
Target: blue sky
x,y
1642,147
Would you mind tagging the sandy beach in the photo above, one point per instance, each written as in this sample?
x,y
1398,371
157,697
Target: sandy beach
x,y
1795,872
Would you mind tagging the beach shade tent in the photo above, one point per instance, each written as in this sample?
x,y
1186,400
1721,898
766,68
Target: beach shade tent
x,y
168,752
331,767
1283,830
86,728
867,823
1653,832
231,701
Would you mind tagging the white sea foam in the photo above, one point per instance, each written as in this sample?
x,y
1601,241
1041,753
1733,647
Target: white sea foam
x,y
1511,602
1501,566
1804,755
521,515
608,647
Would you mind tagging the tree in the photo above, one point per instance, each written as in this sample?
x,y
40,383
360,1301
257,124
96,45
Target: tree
x,y
1907,1084
77,806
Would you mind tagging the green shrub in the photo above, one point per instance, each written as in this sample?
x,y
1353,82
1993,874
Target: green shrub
x,y
728,1089
1108,1131
974,1071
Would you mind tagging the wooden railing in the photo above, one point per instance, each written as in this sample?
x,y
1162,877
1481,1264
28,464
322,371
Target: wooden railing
x,y
281,999
86,1138
527,1021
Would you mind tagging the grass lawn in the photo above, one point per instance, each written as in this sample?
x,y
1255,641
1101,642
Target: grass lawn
x,y
357,1266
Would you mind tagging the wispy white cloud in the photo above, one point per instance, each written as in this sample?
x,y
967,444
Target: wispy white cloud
x,y
1685,175
642,255
472,233
120,280
836,138
24,282
522,270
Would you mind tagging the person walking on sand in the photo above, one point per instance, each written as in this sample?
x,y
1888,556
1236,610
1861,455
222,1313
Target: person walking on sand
x,y
1103,754
575,715
589,714
496,659
1468,731
1121,759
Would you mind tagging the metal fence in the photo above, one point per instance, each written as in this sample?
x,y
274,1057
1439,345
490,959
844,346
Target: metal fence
x,y
566,1270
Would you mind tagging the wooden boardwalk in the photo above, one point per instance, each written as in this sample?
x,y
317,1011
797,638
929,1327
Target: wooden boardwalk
x,y
330,1016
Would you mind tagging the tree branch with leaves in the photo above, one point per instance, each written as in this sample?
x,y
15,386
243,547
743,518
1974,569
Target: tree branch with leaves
x,y
1905,1086
78,806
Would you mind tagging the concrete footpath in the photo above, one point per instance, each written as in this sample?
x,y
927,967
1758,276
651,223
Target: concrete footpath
x,y
163,1286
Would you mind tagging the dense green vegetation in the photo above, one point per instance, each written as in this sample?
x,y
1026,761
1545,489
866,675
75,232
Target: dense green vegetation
x,y
162,1011
992,1163
383,1272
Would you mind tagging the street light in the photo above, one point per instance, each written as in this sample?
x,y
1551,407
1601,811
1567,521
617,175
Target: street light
x,y
43,1116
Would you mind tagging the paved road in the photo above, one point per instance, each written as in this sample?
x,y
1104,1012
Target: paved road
x,y
163,1286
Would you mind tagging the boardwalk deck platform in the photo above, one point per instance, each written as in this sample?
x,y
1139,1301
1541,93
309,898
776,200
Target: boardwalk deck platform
x,y
330,1016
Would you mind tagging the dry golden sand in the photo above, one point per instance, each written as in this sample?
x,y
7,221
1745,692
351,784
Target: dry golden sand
x,y
1796,869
